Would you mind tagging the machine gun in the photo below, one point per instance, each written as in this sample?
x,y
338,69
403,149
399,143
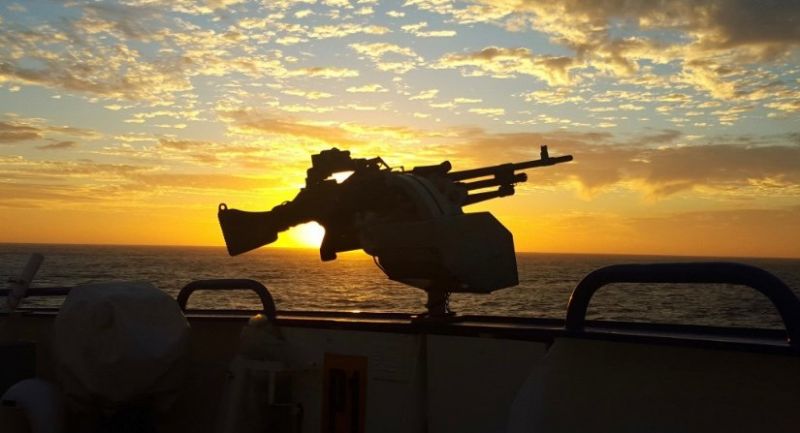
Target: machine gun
x,y
410,221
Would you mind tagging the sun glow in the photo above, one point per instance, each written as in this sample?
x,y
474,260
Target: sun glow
x,y
341,176
309,234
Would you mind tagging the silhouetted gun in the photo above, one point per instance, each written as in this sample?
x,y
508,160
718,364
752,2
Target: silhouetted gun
x,y
411,221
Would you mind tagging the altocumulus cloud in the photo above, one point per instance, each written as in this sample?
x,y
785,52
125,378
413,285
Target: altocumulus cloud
x,y
653,162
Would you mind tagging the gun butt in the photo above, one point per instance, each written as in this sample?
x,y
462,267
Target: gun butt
x,y
244,231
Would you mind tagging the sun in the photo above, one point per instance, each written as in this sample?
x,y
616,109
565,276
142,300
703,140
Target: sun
x,y
309,234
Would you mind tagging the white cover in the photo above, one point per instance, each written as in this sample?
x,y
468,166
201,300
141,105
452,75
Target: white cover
x,y
41,402
119,342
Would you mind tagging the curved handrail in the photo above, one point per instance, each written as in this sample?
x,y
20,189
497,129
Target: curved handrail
x,y
784,300
267,302
41,291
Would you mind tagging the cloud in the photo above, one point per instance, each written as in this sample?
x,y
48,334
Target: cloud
x,y
338,4
792,106
492,112
558,96
170,143
389,57
38,195
380,49
59,145
17,129
205,181
100,53
59,171
652,163
254,123
345,29
713,42
290,40
750,25
705,74
310,94
367,88
418,31
720,166
121,21
73,131
323,72
192,7
198,151
509,62
32,183
365,10
12,132
288,141
183,152
425,95
75,60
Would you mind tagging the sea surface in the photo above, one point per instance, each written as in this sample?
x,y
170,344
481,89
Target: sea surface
x,y
298,280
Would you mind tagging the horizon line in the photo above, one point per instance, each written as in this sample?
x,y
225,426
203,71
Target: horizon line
x,y
316,248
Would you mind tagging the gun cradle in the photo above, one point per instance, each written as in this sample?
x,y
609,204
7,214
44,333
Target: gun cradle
x,y
456,253
411,221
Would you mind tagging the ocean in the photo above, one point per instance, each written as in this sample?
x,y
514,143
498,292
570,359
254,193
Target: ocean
x,y
298,280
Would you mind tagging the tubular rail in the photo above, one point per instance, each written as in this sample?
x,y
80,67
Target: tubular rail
x,y
267,302
781,296
41,291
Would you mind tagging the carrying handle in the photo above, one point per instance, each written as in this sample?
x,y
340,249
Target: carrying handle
x,y
267,303
781,296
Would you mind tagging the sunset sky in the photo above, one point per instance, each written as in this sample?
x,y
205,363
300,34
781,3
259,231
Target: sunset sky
x,y
128,122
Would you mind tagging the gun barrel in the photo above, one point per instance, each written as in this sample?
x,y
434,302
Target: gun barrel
x,y
503,191
507,168
488,183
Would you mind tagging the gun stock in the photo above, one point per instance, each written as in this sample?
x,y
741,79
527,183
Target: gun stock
x,y
245,231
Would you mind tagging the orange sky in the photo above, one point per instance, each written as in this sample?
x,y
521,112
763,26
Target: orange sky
x,y
127,123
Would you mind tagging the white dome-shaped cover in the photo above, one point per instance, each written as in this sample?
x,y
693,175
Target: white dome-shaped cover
x,y
120,342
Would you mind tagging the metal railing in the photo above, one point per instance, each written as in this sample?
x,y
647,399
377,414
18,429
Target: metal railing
x,y
781,296
267,303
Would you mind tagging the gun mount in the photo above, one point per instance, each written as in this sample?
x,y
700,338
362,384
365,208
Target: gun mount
x,y
411,221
